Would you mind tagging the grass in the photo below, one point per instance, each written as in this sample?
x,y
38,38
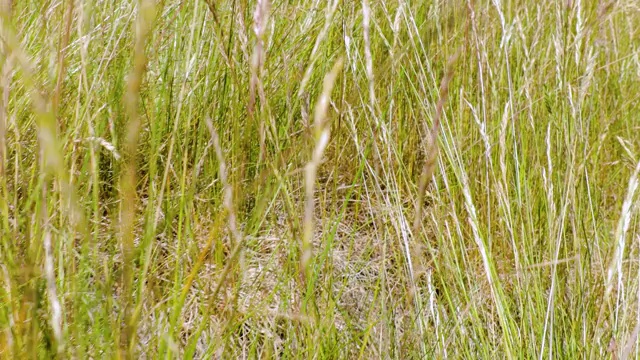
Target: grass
x,y
311,179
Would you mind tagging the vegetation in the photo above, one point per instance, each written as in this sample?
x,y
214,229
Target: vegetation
x,y
319,179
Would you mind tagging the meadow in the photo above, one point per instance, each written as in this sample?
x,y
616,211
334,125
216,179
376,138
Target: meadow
x,y
306,179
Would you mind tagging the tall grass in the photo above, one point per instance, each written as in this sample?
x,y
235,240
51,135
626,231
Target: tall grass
x,y
310,179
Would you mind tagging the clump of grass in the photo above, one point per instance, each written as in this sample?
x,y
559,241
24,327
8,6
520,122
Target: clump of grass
x,y
169,188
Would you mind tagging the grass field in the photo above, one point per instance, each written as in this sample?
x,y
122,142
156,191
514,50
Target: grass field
x,y
331,179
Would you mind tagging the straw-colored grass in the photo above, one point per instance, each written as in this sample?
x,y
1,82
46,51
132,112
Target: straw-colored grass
x,y
319,179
